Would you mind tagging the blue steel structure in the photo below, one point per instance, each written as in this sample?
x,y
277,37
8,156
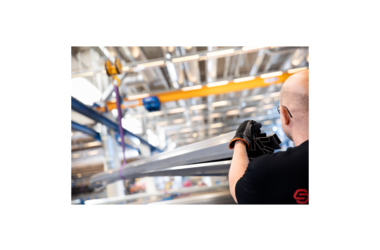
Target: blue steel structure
x,y
90,113
85,130
95,134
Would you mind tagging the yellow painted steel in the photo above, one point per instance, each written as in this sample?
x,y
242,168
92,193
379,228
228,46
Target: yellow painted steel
x,y
205,91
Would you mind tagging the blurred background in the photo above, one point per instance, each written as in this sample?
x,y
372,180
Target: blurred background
x,y
202,94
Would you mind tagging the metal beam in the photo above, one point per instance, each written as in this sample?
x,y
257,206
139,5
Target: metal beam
x,y
204,91
86,111
86,130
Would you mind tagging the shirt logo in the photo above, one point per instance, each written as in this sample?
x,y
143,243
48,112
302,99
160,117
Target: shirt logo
x,y
301,196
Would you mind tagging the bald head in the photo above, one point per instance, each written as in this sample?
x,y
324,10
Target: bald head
x,y
295,92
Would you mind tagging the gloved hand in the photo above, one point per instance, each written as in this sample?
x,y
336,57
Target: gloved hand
x,y
245,132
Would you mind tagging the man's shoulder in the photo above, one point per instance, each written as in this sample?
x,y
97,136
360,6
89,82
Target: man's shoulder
x,y
281,158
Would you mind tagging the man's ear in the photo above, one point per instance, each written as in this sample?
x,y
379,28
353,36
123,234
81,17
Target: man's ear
x,y
284,116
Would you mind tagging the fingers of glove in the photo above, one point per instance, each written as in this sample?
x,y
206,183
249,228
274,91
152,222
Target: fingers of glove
x,y
242,126
255,128
247,129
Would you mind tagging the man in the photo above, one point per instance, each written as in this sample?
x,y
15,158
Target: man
x,y
282,177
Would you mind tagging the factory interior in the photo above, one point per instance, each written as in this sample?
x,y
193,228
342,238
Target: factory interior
x,y
151,125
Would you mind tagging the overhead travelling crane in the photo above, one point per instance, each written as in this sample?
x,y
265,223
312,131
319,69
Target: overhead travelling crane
x,y
219,87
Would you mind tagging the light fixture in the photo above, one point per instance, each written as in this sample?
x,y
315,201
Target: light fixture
x,y
125,68
247,110
291,71
232,112
85,74
171,49
244,79
195,135
274,94
185,58
250,48
266,122
185,130
138,96
177,110
154,114
200,106
135,52
269,106
179,121
214,84
197,118
192,88
151,64
220,53
221,103
216,115
95,143
79,175
256,97
267,75
188,47
202,58
216,125
93,152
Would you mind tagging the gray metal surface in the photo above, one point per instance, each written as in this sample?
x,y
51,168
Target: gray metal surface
x,y
131,197
213,149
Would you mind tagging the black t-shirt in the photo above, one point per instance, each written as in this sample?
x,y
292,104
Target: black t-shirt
x,y
280,178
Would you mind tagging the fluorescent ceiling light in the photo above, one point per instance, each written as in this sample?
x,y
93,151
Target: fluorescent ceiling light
x,y
214,84
93,153
221,103
216,125
179,121
247,110
95,143
134,97
177,110
274,94
278,73
256,97
185,58
291,71
216,115
269,106
192,88
75,156
249,48
197,118
82,74
244,79
154,114
200,106
151,64
233,112
220,53
185,130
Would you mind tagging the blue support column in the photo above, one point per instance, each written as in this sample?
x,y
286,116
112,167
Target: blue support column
x,y
90,113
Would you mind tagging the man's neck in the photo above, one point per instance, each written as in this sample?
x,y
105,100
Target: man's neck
x,y
301,138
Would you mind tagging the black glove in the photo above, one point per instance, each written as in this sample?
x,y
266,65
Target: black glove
x,y
245,132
